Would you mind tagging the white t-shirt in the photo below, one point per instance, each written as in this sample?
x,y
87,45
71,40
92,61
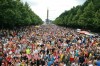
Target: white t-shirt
x,y
17,64
90,65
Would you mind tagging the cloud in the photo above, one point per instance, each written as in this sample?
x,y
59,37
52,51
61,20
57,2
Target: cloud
x,y
80,1
30,2
56,7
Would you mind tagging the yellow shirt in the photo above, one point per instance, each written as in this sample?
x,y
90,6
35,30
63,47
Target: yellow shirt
x,y
61,57
28,51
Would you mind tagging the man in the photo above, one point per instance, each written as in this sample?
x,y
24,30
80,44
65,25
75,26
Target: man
x,y
98,61
1,58
81,59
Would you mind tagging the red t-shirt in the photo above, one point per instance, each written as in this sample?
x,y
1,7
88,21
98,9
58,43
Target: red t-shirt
x,y
8,58
67,49
71,59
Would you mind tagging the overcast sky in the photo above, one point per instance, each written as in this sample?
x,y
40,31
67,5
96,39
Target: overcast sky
x,y
56,7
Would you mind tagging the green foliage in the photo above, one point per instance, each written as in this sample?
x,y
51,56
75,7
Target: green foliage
x,y
86,16
14,13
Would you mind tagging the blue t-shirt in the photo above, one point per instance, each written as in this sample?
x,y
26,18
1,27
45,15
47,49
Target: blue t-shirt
x,y
50,63
98,63
76,54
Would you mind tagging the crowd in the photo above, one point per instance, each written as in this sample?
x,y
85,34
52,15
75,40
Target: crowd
x,y
48,45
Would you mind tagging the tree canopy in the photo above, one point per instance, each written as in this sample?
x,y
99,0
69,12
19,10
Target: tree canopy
x,y
86,16
14,13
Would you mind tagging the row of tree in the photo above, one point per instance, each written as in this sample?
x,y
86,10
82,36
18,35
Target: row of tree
x,y
14,13
86,16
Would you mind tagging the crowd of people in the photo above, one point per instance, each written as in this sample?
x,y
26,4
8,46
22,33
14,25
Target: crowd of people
x,y
48,45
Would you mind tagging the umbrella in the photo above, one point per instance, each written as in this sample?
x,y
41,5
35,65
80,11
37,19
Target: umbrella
x,y
37,26
84,32
90,34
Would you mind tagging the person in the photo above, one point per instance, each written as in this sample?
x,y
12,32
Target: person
x,y
48,45
81,59
98,61
1,58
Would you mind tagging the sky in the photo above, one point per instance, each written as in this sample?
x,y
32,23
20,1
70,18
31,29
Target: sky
x,y
55,7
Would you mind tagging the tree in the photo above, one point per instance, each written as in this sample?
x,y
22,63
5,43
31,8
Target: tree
x,y
89,15
97,20
14,13
86,16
